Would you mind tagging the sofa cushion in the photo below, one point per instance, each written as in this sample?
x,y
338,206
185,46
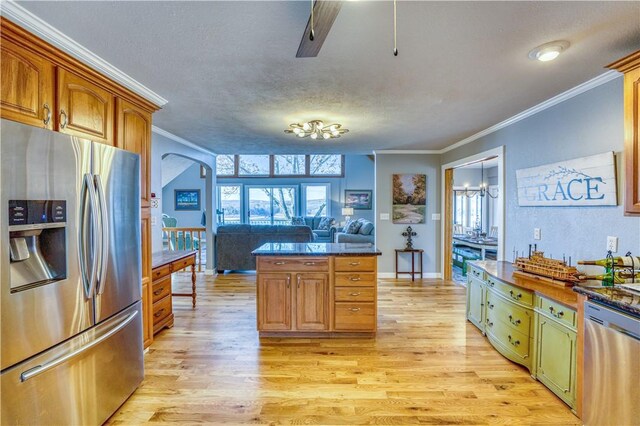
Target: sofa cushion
x,y
321,232
352,227
316,222
325,223
366,228
298,220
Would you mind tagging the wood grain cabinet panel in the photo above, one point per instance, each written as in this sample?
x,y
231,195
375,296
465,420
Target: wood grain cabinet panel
x,y
84,109
133,131
26,95
147,297
630,66
312,302
274,302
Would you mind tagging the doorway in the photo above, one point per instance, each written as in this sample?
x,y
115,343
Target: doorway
x,y
473,222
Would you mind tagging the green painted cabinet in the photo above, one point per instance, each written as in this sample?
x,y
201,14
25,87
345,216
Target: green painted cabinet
x,y
555,355
476,294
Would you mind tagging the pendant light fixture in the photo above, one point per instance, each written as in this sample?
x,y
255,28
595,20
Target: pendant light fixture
x,y
484,188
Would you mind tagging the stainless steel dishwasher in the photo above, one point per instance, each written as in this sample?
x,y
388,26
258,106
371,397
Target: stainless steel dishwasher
x,y
611,367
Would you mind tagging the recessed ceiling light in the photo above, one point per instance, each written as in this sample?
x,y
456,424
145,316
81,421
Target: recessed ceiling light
x,y
548,51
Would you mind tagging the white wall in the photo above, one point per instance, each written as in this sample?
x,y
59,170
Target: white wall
x,y
189,179
388,234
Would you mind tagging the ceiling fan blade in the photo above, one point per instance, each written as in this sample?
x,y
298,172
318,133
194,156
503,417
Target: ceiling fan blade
x,y
324,13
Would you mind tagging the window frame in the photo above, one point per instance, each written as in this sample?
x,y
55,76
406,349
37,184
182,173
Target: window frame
x,y
307,169
303,197
240,192
247,204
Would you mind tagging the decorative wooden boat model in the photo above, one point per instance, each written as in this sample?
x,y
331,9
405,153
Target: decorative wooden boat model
x,y
537,264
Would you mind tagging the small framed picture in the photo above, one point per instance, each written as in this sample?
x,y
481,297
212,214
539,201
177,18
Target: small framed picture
x,y
358,199
187,199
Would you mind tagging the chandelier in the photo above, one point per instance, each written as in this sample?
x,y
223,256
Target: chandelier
x,y
484,188
316,129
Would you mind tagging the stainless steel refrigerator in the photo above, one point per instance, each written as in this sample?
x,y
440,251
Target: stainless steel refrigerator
x,y
70,271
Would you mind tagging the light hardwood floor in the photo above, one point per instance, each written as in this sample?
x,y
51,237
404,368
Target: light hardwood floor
x,y
428,365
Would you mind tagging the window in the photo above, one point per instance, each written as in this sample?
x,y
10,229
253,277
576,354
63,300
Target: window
x,y
325,165
319,165
289,165
229,201
273,205
225,165
316,200
467,211
254,165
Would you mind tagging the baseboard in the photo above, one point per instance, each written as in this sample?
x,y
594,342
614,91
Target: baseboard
x,y
407,276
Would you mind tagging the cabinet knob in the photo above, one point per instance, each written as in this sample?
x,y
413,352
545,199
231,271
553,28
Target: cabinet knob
x,y
490,305
63,124
489,323
157,314
159,291
47,116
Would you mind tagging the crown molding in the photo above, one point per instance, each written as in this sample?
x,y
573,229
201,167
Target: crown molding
x,y
408,151
575,91
27,20
169,135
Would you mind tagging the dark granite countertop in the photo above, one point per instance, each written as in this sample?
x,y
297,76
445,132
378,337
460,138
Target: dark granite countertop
x,y
316,249
161,258
622,299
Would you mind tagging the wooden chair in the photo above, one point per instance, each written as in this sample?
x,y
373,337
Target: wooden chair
x,y
493,232
457,229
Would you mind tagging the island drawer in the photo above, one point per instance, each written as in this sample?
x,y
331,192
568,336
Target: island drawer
x,y
559,312
355,263
517,317
161,272
293,263
475,272
514,341
355,294
161,310
161,288
511,292
356,316
355,279
181,264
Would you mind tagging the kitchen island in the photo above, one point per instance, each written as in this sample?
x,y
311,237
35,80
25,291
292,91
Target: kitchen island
x,y
316,289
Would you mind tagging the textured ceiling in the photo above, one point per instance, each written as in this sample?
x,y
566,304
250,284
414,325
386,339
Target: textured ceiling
x,y
234,84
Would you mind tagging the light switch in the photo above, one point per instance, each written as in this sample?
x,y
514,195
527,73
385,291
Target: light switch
x,y
435,216
384,216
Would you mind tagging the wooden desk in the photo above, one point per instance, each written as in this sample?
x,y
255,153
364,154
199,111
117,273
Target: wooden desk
x,y
413,271
163,264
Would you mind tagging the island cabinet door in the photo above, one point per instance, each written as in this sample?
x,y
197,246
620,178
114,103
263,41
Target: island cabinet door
x,y
475,302
556,358
312,302
274,302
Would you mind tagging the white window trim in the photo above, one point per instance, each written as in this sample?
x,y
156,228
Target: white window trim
x,y
303,197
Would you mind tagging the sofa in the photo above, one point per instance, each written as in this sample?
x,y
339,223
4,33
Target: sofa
x,y
234,243
321,235
364,234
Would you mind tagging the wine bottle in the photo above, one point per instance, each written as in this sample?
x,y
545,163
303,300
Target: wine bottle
x,y
618,278
617,261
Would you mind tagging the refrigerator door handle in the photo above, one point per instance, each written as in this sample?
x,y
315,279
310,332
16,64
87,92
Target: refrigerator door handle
x,y
103,235
89,282
32,372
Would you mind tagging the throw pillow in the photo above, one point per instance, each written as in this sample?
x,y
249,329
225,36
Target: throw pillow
x,y
366,228
298,220
352,227
325,223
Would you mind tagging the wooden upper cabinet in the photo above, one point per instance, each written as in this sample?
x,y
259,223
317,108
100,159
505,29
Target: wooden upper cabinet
x,y
133,130
630,66
84,109
27,86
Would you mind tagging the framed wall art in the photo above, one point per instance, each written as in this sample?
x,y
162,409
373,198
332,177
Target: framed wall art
x,y
409,198
187,199
358,199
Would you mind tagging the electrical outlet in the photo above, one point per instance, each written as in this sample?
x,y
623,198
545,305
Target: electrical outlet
x,y
153,221
536,234
612,244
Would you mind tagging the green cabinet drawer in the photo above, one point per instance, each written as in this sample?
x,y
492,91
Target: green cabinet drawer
x,y
516,294
511,343
559,312
555,364
500,309
475,272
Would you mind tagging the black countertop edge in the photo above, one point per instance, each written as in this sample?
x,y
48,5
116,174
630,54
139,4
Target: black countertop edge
x,y
316,249
622,299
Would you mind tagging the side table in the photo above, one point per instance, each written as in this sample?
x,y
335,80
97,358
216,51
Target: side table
x,y
413,271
